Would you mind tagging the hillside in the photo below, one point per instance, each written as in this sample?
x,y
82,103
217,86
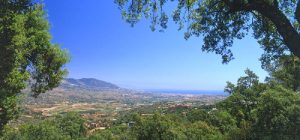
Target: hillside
x,y
87,83
85,90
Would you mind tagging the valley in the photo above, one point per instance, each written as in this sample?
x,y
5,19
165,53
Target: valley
x,y
101,103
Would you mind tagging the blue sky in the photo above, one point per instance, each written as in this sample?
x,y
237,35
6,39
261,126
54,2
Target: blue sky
x,y
103,46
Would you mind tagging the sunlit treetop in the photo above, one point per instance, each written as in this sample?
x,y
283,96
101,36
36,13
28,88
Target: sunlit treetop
x,y
26,50
274,23
27,55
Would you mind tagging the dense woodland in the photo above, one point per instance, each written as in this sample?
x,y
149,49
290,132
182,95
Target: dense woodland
x,y
254,110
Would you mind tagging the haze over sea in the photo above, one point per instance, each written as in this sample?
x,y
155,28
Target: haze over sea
x,y
190,92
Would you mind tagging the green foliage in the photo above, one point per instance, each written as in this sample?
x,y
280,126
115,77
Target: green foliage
x,y
271,114
117,132
105,135
253,110
265,111
69,126
286,71
155,127
202,131
164,127
45,130
197,115
276,114
42,131
26,53
223,121
244,97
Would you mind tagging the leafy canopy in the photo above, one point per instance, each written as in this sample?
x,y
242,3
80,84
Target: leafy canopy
x,y
274,23
69,126
26,54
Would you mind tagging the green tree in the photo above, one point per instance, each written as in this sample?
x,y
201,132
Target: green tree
x,y
26,54
286,71
202,131
71,124
223,121
104,135
266,110
244,97
278,115
44,130
275,23
197,115
156,127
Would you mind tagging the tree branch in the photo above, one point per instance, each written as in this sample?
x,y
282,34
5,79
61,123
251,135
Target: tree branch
x,y
284,27
297,13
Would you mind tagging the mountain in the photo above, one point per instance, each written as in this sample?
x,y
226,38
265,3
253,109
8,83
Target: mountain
x,y
79,90
87,83
90,90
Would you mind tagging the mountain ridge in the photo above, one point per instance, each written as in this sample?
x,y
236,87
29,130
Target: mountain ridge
x,y
88,83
